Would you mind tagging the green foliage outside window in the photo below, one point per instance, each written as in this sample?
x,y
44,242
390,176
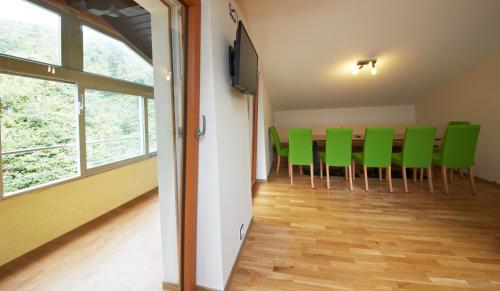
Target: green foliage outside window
x,y
112,126
37,114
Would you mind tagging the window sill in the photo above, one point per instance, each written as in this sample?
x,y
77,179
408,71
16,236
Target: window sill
x,y
89,173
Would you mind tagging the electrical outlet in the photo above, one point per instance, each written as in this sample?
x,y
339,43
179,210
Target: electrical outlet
x,y
242,231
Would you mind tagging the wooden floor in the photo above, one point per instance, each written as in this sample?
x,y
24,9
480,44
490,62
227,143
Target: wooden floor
x,y
304,239
119,251
301,239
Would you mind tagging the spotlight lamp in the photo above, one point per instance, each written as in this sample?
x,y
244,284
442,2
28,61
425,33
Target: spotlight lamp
x,y
365,63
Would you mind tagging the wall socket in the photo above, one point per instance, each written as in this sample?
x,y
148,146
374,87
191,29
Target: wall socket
x,y
242,231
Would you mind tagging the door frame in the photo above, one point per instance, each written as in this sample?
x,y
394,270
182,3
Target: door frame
x,y
189,198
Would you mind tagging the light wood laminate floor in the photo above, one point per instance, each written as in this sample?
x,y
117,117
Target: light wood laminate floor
x,y
319,239
119,251
301,239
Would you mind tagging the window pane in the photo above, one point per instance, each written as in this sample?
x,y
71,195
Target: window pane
x,y
113,125
110,57
152,125
29,31
38,131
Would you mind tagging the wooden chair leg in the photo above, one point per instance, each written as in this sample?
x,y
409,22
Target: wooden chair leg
x,y
380,174
389,178
301,172
451,176
365,173
414,175
278,160
445,179
353,170
311,169
429,177
461,173
321,169
405,180
346,174
328,177
288,168
421,175
350,178
290,171
472,182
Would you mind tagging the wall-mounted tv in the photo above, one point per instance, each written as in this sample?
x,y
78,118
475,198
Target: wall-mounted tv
x,y
244,62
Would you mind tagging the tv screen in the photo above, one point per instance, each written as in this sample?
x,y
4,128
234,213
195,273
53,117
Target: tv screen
x,y
245,63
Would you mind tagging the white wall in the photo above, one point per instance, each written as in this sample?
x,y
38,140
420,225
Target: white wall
x,y
233,142
337,116
224,193
474,96
264,142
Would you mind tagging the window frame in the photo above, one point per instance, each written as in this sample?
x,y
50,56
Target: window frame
x,y
142,128
71,71
64,19
107,33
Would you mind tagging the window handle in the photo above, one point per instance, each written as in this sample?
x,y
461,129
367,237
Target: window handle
x,y
81,106
201,132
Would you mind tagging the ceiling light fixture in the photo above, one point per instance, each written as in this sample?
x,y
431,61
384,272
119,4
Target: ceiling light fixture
x,y
361,64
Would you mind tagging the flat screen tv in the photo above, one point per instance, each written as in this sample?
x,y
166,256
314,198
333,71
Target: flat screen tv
x,y
244,62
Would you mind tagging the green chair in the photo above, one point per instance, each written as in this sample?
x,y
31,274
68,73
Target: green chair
x,y
377,153
458,151
338,152
453,122
280,150
301,151
416,152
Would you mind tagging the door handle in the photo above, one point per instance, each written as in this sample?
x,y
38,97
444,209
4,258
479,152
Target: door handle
x,y
201,132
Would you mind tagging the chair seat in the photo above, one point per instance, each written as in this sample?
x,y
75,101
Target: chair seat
x,y
397,159
283,152
358,157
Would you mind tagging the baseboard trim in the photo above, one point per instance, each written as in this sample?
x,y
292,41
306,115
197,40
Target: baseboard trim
x,y
492,183
228,282
172,287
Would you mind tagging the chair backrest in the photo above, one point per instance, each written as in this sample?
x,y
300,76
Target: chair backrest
x,y
458,122
418,146
459,145
300,146
276,138
338,148
378,147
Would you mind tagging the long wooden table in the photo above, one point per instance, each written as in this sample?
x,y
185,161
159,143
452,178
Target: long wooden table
x,y
357,141
398,138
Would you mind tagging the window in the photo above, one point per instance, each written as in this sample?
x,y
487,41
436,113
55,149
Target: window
x,y
54,123
38,128
152,125
30,32
104,55
113,126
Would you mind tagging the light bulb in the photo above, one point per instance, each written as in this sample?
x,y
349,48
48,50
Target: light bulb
x,y
374,70
355,71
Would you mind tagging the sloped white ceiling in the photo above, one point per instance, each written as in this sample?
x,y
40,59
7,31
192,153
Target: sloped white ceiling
x,y
307,48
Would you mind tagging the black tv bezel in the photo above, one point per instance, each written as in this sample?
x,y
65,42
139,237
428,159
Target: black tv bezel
x,y
234,59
